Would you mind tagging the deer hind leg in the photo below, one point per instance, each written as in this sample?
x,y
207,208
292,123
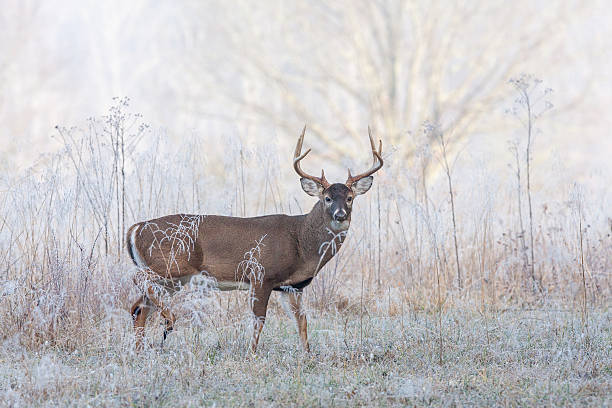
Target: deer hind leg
x,y
153,294
139,311
259,299
292,303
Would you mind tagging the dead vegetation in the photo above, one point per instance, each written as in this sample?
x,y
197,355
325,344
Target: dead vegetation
x,y
429,302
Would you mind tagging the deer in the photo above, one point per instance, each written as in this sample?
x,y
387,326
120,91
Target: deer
x,y
285,252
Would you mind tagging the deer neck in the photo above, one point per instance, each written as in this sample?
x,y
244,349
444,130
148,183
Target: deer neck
x,y
318,242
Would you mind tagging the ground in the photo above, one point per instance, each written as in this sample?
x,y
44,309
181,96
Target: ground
x,y
514,357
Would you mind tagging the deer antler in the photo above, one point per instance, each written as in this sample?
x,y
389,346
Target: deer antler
x,y
376,165
298,157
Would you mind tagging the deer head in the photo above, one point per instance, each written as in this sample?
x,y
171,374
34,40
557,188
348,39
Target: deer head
x,y
337,199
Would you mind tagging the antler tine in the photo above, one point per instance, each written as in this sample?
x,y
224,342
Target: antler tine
x,y
298,157
376,165
372,143
298,148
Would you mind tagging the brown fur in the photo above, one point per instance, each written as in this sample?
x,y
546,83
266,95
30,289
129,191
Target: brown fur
x,y
290,250
289,255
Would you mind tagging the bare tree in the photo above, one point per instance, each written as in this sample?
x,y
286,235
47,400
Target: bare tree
x,y
20,21
341,65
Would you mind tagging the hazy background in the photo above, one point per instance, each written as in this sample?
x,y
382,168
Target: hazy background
x,y
471,259
260,70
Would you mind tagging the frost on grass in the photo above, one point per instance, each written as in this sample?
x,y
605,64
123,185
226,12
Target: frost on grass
x,y
180,238
509,357
250,269
379,307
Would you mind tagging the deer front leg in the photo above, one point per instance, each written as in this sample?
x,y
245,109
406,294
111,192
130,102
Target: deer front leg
x,y
259,301
292,300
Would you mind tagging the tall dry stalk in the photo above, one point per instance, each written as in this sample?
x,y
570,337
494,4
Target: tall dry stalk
x,y
528,176
514,148
526,87
99,157
577,201
585,311
379,233
443,146
437,263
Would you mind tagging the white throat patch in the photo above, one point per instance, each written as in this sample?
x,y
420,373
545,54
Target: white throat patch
x,y
340,225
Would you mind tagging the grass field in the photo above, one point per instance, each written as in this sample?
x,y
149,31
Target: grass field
x,y
465,287
543,357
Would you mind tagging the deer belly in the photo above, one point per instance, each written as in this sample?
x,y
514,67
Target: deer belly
x,y
211,282
229,285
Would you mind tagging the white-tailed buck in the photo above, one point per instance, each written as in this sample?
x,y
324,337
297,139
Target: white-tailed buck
x,y
284,253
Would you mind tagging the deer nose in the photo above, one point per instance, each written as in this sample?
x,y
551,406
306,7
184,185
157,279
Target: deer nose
x,y
340,215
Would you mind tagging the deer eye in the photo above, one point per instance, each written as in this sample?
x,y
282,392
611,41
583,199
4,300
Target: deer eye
x,y
349,199
327,200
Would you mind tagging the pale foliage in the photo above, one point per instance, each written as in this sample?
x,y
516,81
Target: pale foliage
x,y
66,283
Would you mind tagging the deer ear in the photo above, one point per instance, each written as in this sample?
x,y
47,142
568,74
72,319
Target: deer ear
x,y
363,185
311,188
